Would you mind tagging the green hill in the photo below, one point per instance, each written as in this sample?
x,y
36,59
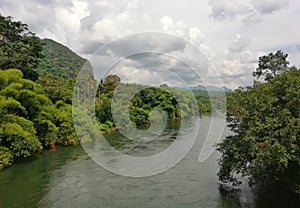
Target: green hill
x,y
59,60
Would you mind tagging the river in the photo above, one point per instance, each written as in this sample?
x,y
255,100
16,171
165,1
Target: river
x,y
68,177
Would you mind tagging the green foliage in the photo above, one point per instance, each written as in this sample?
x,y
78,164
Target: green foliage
x,y
87,128
271,65
204,102
63,120
19,48
19,137
109,85
17,134
59,61
35,115
57,88
103,109
176,103
139,116
28,119
6,157
45,126
265,145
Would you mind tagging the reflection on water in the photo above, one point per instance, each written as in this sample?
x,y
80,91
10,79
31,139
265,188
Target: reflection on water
x,y
68,178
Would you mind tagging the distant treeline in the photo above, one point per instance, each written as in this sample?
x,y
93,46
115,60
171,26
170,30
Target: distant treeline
x,y
176,103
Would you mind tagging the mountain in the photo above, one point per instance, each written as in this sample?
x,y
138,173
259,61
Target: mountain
x,y
59,60
211,88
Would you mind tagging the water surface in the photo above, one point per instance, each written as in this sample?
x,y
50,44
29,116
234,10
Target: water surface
x,y
69,178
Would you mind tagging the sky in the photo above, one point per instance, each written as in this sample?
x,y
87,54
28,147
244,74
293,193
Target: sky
x,y
176,42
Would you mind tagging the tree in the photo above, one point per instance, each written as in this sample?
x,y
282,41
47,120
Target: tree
x,y
271,65
17,134
139,116
57,88
103,109
19,48
265,144
109,84
63,120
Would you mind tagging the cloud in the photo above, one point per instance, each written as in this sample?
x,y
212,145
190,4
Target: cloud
x,y
180,29
90,46
113,23
124,23
129,21
87,25
252,11
148,41
98,10
173,56
131,72
228,9
253,17
59,20
293,52
269,6
238,44
176,28
239,62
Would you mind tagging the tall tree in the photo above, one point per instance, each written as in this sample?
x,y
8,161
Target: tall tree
x,y
271,65
19,48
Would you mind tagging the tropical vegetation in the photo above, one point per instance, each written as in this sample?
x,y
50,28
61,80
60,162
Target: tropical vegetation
x,y
265,123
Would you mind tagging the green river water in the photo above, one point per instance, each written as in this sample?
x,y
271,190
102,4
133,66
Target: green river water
x,y
68,177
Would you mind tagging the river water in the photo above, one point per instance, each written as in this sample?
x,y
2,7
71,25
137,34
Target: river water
x,y
68,177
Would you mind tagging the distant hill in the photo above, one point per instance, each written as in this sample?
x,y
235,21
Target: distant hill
x,y
59,60
211,88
